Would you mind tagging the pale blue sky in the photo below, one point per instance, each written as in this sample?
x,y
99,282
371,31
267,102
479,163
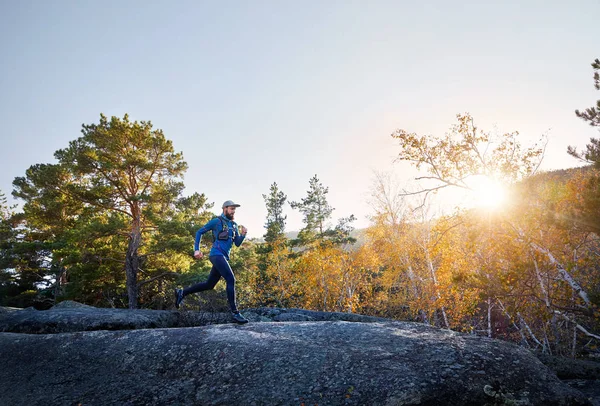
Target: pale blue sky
x,y
281,90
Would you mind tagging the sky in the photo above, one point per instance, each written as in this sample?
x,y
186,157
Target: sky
x,y
256,92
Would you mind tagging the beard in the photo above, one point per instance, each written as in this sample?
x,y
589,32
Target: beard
x,y
230,216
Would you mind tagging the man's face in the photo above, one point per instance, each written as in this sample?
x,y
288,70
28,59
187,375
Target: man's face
x,y
229,212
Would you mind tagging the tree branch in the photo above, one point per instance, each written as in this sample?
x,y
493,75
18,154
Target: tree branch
x,y
578,326
162,275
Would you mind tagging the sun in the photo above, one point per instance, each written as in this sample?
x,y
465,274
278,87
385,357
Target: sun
x,y
488,192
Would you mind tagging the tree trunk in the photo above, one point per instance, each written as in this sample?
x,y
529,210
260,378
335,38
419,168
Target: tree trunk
x,y
282,292
60,281
161,297
489,317
435,283
324,290
132,260
577,325
563,272
574,347
512,320
413,283
524,323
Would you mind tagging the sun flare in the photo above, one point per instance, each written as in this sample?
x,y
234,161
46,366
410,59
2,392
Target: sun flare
x,y
488,192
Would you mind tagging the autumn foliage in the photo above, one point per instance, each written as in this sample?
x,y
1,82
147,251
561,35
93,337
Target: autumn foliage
x,y
108,226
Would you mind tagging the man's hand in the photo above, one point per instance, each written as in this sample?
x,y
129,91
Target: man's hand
x,y
244,230
197,254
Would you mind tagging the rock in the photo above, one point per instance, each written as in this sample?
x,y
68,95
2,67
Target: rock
x,y
332,316
292,317
569,368
8,309
589,387
583,375
83,319
325,363
69,316
70,304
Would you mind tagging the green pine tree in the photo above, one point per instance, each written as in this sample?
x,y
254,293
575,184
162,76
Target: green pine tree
x,y
316,211
114,182
592,116
275,218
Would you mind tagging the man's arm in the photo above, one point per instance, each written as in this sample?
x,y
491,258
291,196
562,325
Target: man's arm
x,y
240,237
207,227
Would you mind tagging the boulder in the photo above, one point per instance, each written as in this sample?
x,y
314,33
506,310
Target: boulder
x,y
69,316
274,363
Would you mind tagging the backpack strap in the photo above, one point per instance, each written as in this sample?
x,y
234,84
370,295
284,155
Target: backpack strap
x,y
233,225
225,226
215,231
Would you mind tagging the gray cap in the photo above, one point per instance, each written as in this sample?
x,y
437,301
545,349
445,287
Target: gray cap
x,y
230,203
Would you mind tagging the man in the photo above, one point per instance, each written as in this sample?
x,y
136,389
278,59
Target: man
x,y
226,233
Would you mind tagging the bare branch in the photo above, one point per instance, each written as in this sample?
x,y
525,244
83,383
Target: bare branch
x,y
162,275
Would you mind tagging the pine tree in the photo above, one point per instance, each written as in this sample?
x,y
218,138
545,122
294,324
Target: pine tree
x,y
275,218
119,176
592,116
315,210
586,208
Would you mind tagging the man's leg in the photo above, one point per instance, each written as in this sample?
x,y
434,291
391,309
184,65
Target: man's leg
x,y
221,264
213,278
226,272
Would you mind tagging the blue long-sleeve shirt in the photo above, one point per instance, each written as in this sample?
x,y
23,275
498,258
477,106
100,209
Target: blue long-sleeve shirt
x,y
220,247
